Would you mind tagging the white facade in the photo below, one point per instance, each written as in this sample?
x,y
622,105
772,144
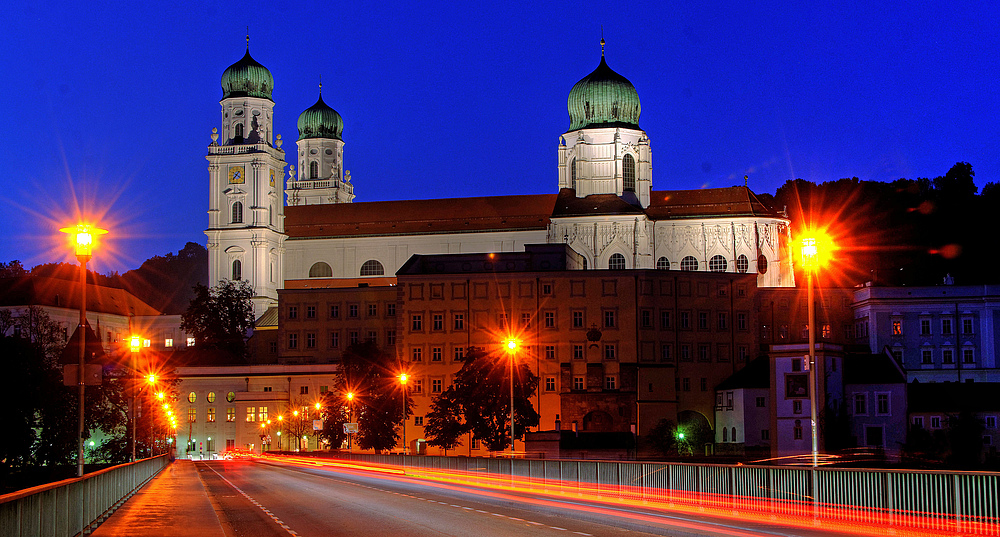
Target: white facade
x,y
321,177
599,160
246,200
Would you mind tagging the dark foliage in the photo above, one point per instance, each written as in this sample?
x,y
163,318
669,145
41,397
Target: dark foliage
x,y
481,396
371,374
221,317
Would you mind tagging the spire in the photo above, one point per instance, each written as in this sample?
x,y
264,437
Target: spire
x,y
248,38
602,41
320,85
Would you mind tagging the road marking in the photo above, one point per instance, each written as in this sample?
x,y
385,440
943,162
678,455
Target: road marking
x,y
557,528
255,502
581,533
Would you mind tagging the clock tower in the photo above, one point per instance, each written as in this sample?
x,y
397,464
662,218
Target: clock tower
x,y
246,188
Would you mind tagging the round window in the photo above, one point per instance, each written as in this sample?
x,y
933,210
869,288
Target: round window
x,y
313,151
742,264
192,397
717,264
238,112
211,397
329,151
231,396
762,264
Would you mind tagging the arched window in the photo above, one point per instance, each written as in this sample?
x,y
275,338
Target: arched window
x,y
617,262
689,263
762,264
663,264
372,268
572,173
717,264
733,435
237,270
628,173
742,264
238,133
237,213
320,270
314,170
725,434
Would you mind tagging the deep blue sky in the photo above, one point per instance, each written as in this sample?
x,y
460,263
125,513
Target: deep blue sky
x,y
110,109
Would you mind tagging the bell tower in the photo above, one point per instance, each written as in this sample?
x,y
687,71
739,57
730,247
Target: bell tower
x,y
246,192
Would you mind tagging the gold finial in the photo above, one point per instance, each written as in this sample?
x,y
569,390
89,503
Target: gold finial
x,y
320,85
248,38
745,179
602,40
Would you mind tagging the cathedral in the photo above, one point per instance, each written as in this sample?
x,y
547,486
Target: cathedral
x,y
300,228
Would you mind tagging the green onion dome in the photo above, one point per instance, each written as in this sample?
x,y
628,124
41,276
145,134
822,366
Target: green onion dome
x,y
247,78
603,98
320,121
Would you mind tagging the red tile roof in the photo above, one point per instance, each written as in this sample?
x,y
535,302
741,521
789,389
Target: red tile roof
x,y
732,201
53,292
419,217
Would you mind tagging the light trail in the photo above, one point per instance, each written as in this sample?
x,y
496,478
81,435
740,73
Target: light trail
x,y
618,500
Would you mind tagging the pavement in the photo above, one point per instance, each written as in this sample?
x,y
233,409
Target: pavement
x,y
173,503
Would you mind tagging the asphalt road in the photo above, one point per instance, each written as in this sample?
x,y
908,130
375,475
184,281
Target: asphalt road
x,y
272,499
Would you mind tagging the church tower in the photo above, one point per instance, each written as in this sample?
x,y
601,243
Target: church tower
x,y
321,178
604,151
246,192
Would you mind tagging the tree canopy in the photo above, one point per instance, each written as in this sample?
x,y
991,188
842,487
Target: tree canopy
x,y
479,402
221,317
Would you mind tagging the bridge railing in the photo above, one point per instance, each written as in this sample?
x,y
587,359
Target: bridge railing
x,y
966,502
74,506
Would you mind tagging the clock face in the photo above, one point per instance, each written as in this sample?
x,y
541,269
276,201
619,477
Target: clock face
x,y
236,175
272,177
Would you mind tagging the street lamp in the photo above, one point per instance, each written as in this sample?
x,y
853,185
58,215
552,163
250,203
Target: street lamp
x,y
402,380
281,418
511,349
135,345
84,240
814,250
350,415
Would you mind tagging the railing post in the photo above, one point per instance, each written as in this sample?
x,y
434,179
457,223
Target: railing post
x,y
957,495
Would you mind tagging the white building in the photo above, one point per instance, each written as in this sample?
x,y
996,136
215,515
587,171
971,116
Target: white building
x,y
604,208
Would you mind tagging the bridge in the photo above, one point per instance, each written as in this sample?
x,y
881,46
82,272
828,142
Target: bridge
x,y
357,494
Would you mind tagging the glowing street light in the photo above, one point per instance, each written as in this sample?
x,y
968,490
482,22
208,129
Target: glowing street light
x,y
403,377
511,345
815,253
84,239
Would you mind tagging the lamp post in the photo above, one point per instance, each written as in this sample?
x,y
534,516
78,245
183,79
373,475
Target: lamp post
x,y
511,349
135,345
84,239
402,381
350,415
810,262
281,419
298,429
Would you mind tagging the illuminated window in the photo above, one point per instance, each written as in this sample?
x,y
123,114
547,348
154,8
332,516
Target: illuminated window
x,y
628,173
372,268
689,263
251,413
231,396
237,213
231,414
617,262
210,415
192,397
210,397
262,414
825,331
237,270
717,264
320,270
169,342
192,415
897,327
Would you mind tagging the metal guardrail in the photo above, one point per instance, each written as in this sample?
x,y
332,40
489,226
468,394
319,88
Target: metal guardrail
x,y
967,502
74,506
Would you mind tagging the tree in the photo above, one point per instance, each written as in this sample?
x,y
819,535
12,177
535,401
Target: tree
x,y
221,317
663,437
371,374
481,393
445,422
12,270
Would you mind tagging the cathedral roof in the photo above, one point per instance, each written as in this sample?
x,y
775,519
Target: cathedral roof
x,y
731,201
52,292
247,78
603,98
567,204
420,217
320,121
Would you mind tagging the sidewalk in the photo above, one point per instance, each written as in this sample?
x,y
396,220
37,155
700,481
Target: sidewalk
x,y
173,503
